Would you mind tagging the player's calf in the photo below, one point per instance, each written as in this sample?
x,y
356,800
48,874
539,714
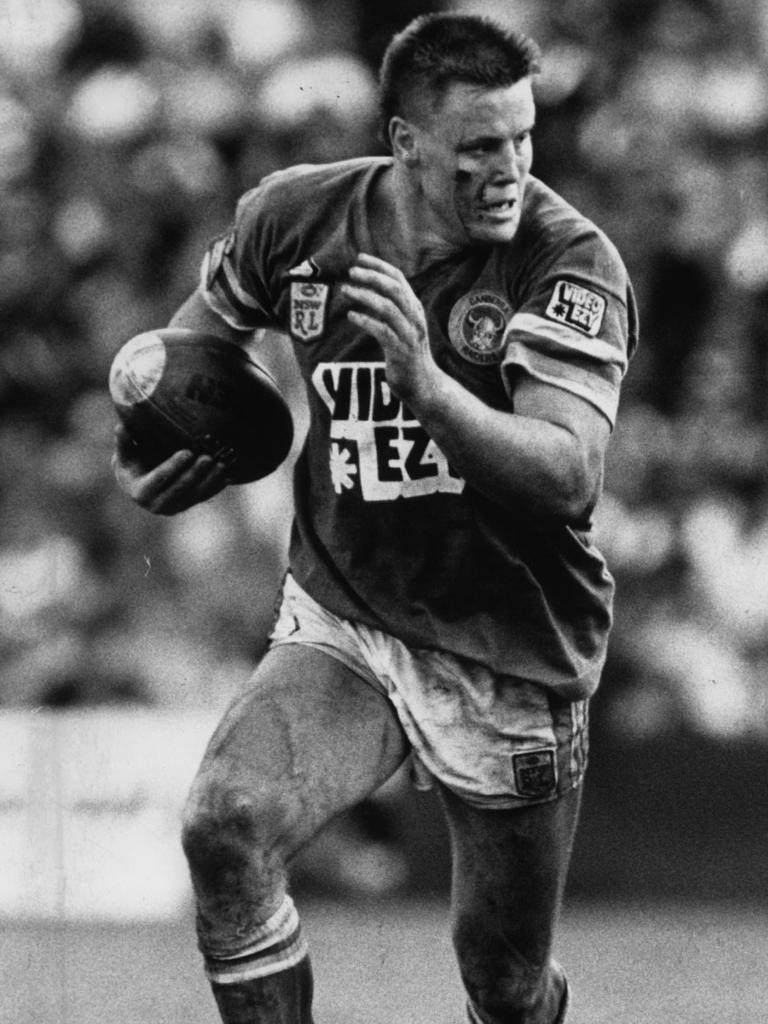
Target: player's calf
x,y
507,971
269,979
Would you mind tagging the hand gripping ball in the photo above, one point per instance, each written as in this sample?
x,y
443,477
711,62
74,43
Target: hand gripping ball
x,y
177,389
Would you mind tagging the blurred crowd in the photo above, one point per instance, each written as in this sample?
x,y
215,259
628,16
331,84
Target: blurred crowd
x,y
127,132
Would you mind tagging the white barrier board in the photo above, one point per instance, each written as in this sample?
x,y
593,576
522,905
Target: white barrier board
x,y
90,804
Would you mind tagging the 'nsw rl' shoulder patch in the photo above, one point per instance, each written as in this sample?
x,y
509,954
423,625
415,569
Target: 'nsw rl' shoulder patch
x,y
576,306
308,305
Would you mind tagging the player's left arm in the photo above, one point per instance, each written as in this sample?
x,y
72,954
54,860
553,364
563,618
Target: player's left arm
x,y
546,455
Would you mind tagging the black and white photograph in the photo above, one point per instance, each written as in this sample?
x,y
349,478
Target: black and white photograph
x,y
383,511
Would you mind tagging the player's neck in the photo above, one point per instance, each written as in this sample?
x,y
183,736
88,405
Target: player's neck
x,y
401,232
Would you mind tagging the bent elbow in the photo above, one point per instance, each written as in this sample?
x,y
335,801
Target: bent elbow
x,y
576,487
576,505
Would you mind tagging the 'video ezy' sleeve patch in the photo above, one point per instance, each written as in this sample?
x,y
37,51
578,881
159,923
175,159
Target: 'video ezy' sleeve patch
x,y
576,306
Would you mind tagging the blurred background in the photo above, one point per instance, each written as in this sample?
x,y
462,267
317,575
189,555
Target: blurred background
x,y
127,131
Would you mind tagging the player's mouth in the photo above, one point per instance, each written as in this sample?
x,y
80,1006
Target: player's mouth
x,y
497,210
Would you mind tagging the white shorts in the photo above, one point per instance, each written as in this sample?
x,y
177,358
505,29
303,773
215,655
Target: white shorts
x,y
494,740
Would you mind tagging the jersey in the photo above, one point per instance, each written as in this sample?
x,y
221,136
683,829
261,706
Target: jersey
x,y
385,531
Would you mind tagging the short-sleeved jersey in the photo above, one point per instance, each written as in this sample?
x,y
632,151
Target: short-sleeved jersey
x,y
385,531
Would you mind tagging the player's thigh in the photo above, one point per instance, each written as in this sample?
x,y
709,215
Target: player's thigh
x,y
509,869
307,740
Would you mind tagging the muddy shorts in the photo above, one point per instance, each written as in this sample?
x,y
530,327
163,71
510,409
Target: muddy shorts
x,y
494,740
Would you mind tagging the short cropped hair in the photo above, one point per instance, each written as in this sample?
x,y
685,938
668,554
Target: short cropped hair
x,y
435,50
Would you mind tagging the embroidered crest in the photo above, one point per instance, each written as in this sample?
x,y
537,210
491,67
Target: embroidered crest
x,y
577,306
476,326
308,304
535,773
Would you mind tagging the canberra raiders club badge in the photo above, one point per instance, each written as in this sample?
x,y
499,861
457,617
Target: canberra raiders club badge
x,y
477,325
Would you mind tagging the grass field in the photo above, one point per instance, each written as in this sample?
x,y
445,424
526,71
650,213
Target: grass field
x,y
392,964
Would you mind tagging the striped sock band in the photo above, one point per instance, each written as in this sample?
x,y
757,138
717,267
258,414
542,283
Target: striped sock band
x,y
276,945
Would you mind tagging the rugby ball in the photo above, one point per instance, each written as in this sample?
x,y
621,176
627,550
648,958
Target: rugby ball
x,y
175,389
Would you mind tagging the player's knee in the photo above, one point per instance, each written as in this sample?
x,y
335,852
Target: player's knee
x,y
226,827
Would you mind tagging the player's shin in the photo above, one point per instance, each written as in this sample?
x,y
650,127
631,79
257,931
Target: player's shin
x,y
269,980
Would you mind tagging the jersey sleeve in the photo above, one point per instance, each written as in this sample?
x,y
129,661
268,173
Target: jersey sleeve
x,y
233,280
577,325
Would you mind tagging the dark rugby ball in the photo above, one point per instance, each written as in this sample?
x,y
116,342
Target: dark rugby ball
x,y
178,389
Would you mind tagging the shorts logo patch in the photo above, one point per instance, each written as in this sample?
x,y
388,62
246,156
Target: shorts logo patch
x,y
535,773
477,325
577,306
308,304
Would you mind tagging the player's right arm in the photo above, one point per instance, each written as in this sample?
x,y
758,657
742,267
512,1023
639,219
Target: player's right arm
x,y
184,479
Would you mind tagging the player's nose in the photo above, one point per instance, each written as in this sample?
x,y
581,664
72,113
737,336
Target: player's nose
x,y
506,166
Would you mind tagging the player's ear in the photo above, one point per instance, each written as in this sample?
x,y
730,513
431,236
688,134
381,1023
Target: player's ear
x,y
404,141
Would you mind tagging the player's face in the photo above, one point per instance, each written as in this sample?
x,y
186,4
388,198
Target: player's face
x,y
472,156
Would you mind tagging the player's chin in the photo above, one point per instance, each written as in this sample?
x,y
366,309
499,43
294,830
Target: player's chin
x,y
483,230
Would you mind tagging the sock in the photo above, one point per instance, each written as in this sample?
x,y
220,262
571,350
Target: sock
x,y
269,981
